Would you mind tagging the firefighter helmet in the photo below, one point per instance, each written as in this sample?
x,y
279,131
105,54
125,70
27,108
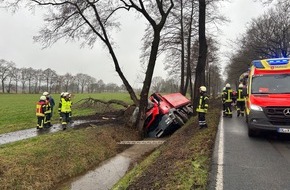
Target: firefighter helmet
x,y
228,85
241,85
42,98
202,89
45,94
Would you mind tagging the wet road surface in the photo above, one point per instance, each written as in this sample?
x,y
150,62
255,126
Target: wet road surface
x,y
241,162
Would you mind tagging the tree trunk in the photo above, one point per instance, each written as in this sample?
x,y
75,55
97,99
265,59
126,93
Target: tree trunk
x,y
188,71
182,90
146,86
3,87
200,68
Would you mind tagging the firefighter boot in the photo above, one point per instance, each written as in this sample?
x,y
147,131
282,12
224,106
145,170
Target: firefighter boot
x,y
238,113
63,126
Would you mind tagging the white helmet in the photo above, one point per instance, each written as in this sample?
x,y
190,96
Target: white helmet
x,y
45,94
202,89
65,94
241,85
42,98
228,85
61,94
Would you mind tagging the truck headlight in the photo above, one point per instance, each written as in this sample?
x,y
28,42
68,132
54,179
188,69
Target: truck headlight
x,y
255,107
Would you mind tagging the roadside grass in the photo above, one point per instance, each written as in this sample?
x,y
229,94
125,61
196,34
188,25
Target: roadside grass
x,y
182,162
44,161
18,110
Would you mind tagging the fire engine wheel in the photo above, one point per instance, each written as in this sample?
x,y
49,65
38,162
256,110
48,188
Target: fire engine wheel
x,y
179,120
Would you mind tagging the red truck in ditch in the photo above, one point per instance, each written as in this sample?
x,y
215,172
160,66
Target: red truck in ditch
x,y
166,113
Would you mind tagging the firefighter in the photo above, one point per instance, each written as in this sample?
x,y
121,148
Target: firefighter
x,y
65,109
47,118
241,100
202,107
41,112
50,104
223,102
228,99
59,112
70,114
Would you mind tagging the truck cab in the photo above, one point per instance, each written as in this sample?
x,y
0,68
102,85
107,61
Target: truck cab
x,y
268,96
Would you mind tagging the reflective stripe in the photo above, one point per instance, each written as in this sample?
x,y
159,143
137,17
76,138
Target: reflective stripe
x,y
202,105
241,97
229,95
39,109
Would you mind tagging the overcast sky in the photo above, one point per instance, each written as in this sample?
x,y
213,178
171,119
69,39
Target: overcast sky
x,y
16,44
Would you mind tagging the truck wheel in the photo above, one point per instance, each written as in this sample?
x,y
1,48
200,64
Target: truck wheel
x,y
178,120
182,115
188,110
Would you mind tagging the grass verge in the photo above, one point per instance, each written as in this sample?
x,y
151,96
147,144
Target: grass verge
x,y
44,161
183,162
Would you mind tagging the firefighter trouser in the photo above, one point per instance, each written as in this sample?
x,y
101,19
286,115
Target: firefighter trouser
x,y
70,117
47,119
40,122
228,107
241,107
224,108
65,118
201,120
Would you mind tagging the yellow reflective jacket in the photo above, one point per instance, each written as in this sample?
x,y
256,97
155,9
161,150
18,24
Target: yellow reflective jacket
x,y
202,104
65,105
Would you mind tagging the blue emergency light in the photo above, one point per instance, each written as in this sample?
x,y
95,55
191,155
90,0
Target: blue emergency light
x,y
283,61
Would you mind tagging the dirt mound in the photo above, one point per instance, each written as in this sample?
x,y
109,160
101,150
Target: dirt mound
x,y
115,117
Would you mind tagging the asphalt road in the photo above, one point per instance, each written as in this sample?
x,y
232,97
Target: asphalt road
x,y
241,162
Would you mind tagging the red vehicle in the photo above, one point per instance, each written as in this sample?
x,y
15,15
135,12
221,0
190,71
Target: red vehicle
x,y
166,113
268,98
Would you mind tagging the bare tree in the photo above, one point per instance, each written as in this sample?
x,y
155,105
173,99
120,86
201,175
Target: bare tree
x,y
92,20
82,81
5,69
89,83
49,75
16,76
157,83
202,56
267,36
67,81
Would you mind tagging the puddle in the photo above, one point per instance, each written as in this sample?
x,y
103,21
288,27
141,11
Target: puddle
x,y
103,177
28,133
111,171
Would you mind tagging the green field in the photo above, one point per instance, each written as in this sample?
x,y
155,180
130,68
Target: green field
x,y
17,111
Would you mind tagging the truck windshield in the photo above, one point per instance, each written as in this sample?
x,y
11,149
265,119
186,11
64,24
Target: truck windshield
x,y
271,84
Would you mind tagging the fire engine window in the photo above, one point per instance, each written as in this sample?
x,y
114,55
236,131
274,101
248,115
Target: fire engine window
x,y
271,84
